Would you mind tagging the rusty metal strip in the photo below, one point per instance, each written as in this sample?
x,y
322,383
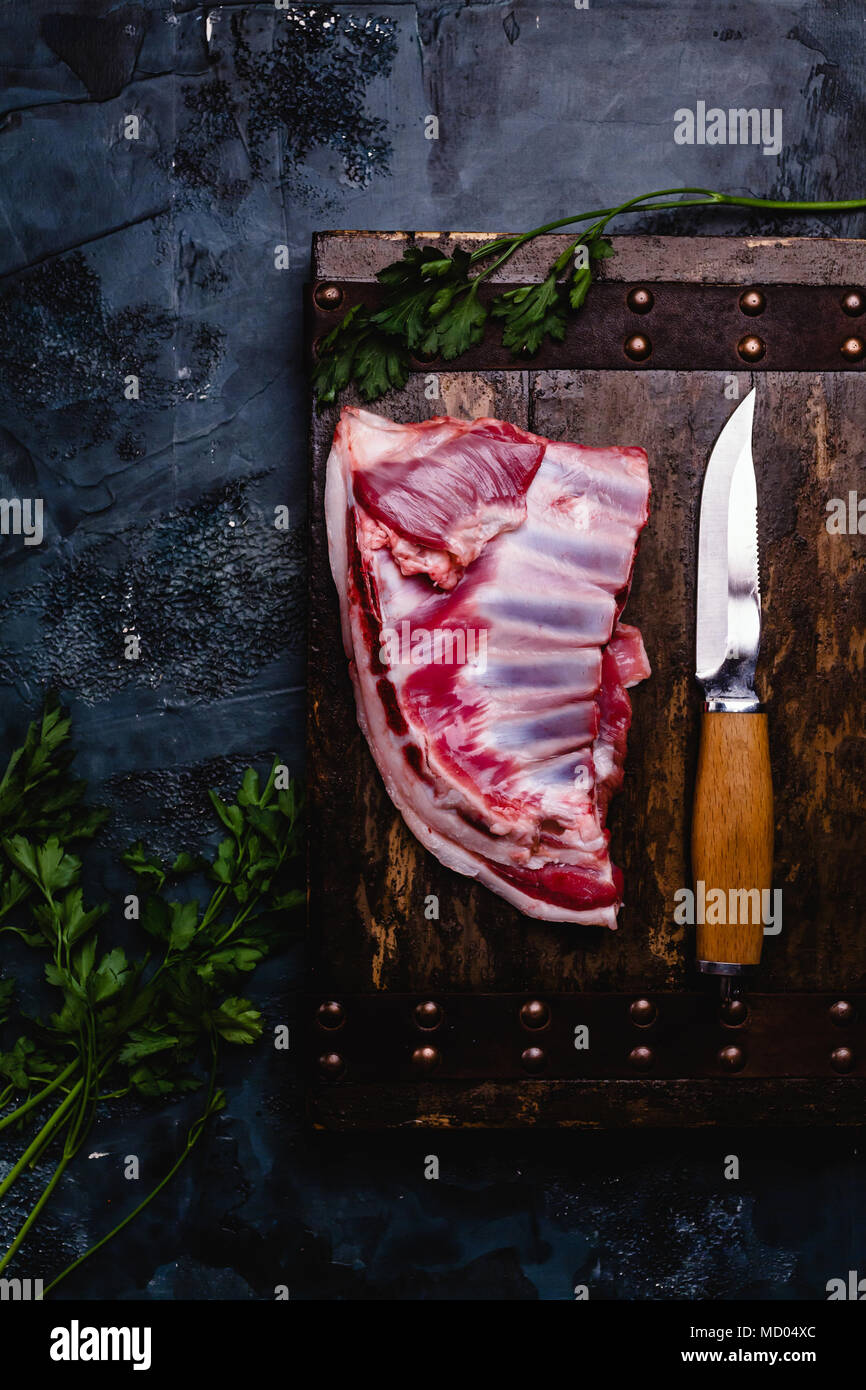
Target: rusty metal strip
x,y
665,326
399,1037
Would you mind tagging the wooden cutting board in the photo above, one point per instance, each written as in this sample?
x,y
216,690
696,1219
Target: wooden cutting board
x,y
375,949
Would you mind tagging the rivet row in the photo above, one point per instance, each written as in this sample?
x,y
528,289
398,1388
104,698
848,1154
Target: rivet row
x,y
535,1015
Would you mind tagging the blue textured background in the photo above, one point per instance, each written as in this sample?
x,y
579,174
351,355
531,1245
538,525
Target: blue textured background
x,y
156,257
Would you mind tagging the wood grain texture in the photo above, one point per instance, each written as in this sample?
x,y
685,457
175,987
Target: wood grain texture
x,y
590,1105
732,833
369,878
694,260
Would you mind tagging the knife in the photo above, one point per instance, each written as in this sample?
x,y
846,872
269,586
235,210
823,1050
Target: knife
x,y
732,815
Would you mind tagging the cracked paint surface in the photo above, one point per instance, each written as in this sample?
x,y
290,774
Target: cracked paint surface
x,y
155,257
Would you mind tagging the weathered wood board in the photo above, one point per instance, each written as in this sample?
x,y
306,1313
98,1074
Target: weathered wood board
x,y
369,877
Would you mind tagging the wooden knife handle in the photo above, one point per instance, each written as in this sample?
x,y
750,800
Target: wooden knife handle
x,y
732,830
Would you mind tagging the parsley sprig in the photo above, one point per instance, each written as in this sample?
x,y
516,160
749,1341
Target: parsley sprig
x,y
153,1023
430,305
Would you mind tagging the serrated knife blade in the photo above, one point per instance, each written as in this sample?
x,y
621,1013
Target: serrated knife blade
x,y
729,601
732,809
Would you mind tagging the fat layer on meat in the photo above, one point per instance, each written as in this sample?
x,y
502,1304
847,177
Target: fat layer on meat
x,y
482,571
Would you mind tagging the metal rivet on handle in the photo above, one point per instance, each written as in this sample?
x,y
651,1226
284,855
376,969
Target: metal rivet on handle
x,y
640,300
535,1014
842,1012
428,1015
853,349
842,1059
534,1059
732,1058
752,302
641,1058
734,1012
330,1014
638,347
643,1012
751,348
332,1065
853,303
328,296
426,1058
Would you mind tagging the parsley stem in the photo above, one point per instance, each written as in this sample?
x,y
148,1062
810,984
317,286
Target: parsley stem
x,y
603,215
837,205
707,197
71,1145
20,1110
216,902
34,1213
45,1137
193,1135
238,921
50,1127
169,1001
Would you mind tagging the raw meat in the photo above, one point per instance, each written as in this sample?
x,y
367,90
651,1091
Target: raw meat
x,y
482,571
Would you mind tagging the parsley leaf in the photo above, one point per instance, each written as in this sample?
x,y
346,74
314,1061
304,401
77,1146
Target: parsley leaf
x,y
380,363
236,1021
459,318
530,314
151,1023
429,306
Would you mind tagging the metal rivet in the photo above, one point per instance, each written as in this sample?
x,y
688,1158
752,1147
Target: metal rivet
x,y
853,349
640,300
328,296
752,302
842,1012
428,1014
426,1058
842,1059
732,1058
751,348
331,1014
332,1065
734,1012
535,1014
853,303
534,1059
641,1058
643,1012
638,347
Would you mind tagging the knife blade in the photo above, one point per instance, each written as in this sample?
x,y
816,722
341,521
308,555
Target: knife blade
x,y
732,816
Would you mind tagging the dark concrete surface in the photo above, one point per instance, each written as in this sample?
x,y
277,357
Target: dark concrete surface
x,y
155,256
